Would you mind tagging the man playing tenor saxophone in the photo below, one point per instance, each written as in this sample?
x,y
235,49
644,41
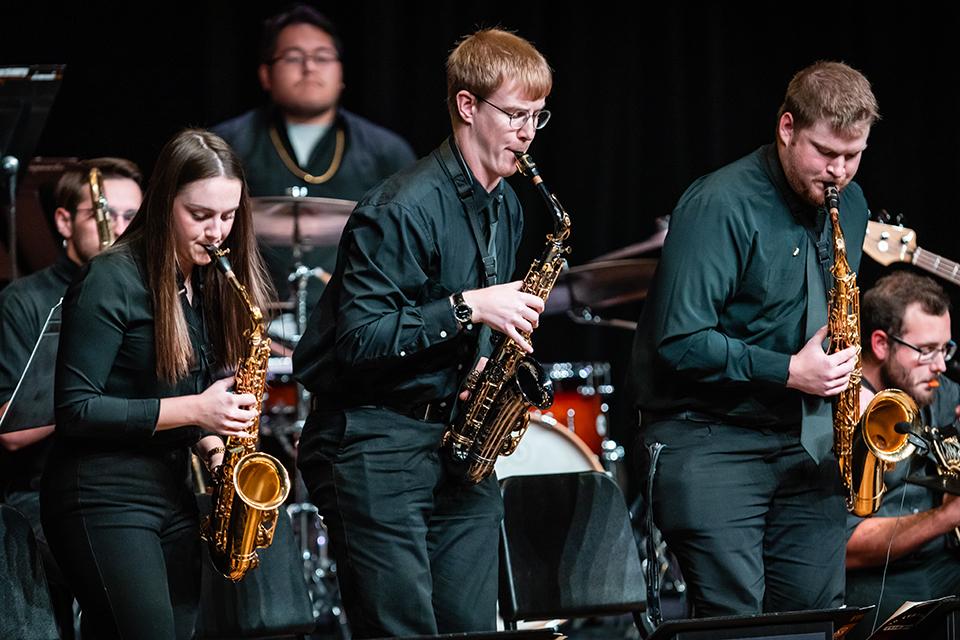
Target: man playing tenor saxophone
x,y
729,369
422,272
905,322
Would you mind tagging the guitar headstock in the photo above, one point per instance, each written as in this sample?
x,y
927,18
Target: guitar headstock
x,y
887,243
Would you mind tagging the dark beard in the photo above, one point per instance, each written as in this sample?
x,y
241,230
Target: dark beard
x,y
893,376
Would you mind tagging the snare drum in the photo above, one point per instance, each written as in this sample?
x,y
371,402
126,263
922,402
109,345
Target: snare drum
x,y
547,447
280,397
579,389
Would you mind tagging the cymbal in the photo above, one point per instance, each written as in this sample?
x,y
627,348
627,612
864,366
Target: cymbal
x,y
602,284
652,243
319,222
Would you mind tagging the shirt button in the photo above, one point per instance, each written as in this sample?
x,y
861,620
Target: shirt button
x,y
403,353
459,367
443,334
443,404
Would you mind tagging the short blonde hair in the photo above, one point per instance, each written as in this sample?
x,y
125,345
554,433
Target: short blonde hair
x,y
481,62
830,91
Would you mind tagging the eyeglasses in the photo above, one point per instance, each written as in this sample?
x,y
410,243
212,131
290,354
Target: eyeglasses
x,y
519,120
113,214
928,354
299,57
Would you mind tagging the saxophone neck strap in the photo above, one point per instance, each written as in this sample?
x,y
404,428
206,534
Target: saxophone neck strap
x,y
455,168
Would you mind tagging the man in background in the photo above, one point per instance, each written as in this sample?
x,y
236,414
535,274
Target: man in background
x,y
303,138
24,306
906,345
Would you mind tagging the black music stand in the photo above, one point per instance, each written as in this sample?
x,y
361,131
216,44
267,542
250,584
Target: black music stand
x,y
930,619
548,633
822,624
32,402
26,94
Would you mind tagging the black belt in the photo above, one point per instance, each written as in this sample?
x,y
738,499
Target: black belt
x,y
649,417
434,411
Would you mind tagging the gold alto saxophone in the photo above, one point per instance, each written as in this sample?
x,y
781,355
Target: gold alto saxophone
x,y
494,419
864,459
250,485
101,209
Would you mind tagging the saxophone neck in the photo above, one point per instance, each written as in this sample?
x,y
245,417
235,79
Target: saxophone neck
x,y
561,219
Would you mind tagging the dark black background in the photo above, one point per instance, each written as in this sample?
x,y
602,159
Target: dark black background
x,y
641,106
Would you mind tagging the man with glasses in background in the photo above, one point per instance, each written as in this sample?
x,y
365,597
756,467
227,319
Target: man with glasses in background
x,y
424,263
906,345
303,138
24,307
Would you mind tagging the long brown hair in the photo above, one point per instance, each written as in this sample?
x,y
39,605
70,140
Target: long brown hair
x,y
191,155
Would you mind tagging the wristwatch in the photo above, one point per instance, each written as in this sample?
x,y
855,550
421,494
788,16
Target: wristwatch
x,y
462,311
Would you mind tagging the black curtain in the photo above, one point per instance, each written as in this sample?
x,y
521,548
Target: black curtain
x,y
641,106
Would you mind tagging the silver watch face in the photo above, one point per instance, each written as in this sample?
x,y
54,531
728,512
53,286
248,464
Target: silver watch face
x,y
463,313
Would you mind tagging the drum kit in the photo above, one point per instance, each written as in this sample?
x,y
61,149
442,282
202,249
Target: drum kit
x,y
571,435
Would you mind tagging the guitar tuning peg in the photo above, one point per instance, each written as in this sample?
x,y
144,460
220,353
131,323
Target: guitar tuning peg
x,y
884,216
898,219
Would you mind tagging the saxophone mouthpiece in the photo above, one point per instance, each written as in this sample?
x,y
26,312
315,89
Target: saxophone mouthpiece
x,y
831,197
528,167
219,258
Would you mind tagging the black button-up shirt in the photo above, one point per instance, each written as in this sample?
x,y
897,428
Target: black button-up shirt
x,y
384,332
729,300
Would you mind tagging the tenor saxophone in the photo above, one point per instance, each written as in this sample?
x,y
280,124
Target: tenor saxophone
x,y
868,446
494,419
250,485
101,209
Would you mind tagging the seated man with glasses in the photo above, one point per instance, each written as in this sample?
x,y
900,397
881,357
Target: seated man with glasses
x,y
303,138
24,307
423,274
906,345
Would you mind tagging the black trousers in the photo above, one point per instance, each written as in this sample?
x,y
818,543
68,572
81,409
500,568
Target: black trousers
x,y
925,578
755,523
416,552
124,529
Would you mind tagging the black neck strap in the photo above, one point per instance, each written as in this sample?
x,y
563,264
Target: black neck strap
x,y
458,173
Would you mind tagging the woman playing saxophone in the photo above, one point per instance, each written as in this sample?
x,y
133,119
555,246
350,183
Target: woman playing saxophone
x,y
145,327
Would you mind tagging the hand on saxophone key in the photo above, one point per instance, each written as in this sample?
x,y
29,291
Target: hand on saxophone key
x,y
505,308
224,412
817,373
465,394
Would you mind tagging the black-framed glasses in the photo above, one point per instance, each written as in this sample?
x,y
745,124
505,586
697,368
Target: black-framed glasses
x,y
928,354
112,213
519,120
298,57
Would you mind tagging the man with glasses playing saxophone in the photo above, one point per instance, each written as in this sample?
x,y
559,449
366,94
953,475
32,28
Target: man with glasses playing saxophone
x,y
24,306
905,324
424,263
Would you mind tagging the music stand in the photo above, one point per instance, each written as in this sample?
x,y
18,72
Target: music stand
x,y
32,402
26,94
822,624
930,619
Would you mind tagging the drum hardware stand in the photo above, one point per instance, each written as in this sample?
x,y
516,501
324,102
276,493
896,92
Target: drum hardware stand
x,y
319,569
586,316
10,166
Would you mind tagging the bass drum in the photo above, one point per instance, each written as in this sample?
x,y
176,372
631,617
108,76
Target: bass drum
x,y
547,447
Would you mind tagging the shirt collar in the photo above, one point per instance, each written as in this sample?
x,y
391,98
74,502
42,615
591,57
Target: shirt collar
x,y
805,214
65,268
481,198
